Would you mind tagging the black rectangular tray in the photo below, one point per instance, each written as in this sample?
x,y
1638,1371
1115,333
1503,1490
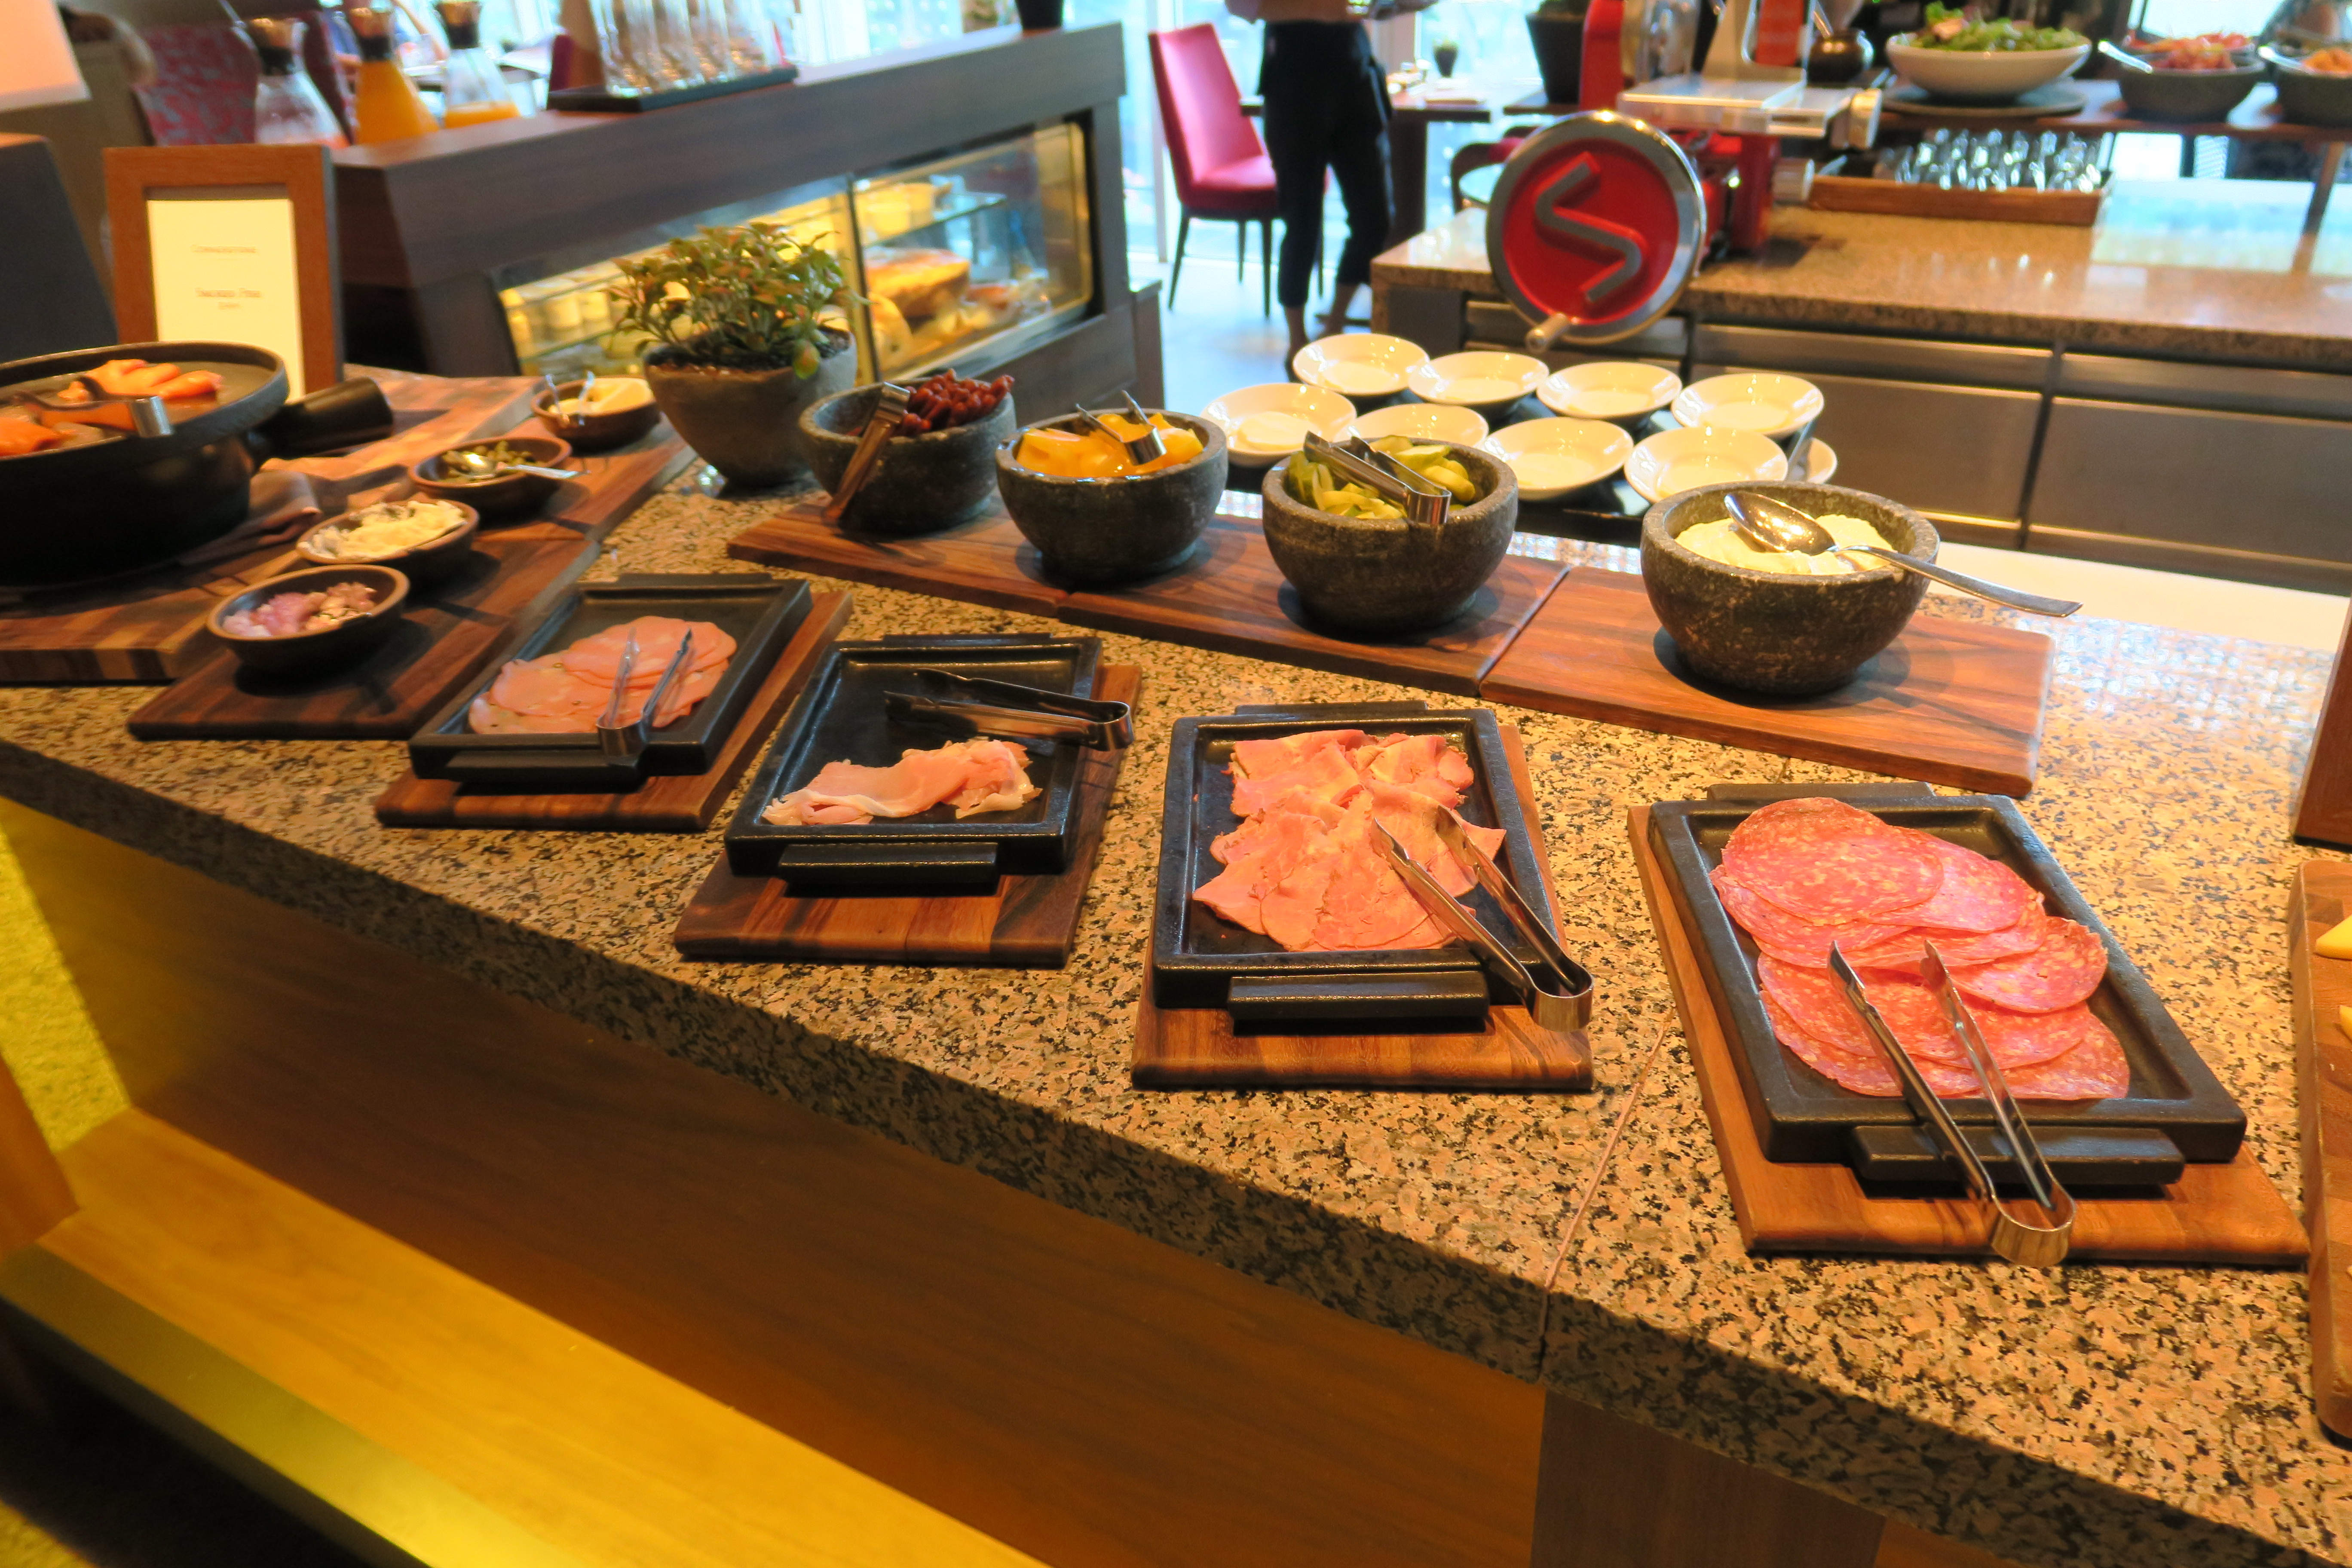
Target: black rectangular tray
x,y
840,715
1201,960
760,612
2177,1109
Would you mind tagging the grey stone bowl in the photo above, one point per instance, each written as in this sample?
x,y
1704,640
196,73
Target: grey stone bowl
x,y
1769,631
1363,574
923,483
2201,96
1100,531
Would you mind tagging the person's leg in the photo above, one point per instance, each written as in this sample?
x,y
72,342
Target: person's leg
x,y
1297,136
1359,154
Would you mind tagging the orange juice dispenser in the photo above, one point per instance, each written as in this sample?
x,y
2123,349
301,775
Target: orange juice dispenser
x,y
387,105
473,89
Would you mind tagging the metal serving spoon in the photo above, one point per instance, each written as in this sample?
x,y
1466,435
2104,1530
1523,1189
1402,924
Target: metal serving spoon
x,y
1769,524
475,465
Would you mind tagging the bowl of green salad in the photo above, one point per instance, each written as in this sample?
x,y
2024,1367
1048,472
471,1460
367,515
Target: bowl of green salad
x,y
1965,59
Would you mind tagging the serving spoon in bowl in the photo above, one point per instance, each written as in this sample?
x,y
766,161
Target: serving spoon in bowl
x,y
1769,524
480,465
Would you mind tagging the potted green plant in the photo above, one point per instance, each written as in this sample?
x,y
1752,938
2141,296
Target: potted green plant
x,y
1555,28
739,346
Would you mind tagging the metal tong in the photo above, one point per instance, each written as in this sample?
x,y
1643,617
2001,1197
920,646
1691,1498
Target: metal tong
x,y
1420,501
890,413
149,417
1147,447
624,742
2041,1242
1563,1008
1004,708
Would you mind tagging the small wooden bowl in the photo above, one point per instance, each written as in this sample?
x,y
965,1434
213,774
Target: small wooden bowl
x,y
597,432
346,642
432,562
510,498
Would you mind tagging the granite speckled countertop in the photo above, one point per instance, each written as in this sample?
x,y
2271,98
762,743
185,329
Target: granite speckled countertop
x,y
2154,277
2096,1417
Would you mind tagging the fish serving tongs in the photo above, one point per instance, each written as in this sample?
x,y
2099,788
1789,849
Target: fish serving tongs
x,y
890,413
1004,708
1421,501
625,743
1562,1007
2038,1242
149,415
1148,447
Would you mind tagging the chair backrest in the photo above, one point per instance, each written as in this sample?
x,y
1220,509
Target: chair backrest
x,y
203,92
1200,106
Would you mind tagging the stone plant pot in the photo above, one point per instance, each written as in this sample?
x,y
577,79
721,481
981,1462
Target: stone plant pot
x,y
922,483
1559,43
1769,631
1363,574
1101,532
746,423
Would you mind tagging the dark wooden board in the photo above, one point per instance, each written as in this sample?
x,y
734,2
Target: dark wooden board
x,y
151,628
2215,1214
1198,1047
984,562
1028,922
2322,1056
1951,702
678,803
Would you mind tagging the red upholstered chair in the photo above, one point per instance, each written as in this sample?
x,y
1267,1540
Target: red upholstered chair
x,y
1222,169
204,77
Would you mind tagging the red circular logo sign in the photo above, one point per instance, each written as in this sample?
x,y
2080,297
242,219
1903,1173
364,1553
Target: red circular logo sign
x,y
1595,223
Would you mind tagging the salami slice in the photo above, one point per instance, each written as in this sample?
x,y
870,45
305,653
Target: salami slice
x,y
1823,861
2095,1069
1871,1075
1817,1003
1977,894
2063,970
1903,952
1786,936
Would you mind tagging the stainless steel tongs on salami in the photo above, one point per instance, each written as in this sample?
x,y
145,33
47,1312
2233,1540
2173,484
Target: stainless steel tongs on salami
x,y
1004,708
2041,1241
623,742
1558,994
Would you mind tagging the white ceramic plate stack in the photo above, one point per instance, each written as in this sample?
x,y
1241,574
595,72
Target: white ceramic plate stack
x,y
1264,425
1624,392
1359,364
1773,406
1553,458
1673,461
1483,379
1421,422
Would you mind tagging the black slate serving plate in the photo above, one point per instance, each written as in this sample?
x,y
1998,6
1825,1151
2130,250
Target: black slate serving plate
x,y
1201,960
760,612
840,715
2177,1109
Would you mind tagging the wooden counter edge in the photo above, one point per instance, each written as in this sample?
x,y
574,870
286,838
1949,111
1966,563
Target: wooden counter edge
x,y
2326,1138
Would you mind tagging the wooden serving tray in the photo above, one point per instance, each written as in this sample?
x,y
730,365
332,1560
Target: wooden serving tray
x,y
1846,194
151,628
1952,703
2322,1082
678,803
1198,1047
450,631
984,562
2215,1214
1028,922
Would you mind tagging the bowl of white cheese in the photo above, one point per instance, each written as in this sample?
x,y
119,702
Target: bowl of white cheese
x,y
1774,621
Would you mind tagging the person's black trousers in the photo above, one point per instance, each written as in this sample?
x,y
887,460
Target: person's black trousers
x,y
1325,108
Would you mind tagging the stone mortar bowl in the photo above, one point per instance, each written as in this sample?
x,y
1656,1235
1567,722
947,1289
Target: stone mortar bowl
x,y
1100,531
1366,574
1770,631
922,483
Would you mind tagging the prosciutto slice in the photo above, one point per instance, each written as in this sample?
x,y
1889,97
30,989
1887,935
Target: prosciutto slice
x,y
567,692
972,777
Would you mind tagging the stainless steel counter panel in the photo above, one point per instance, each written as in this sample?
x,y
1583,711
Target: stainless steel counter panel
x,y
1495,324
1815,355
2185,383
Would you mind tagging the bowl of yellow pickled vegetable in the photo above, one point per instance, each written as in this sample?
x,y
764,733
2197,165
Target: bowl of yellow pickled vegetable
x,y
1355,561
1095,515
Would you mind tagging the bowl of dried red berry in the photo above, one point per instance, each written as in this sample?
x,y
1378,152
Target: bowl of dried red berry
x,y
938,471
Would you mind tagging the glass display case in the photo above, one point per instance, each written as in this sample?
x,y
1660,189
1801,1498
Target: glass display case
x,y
960,259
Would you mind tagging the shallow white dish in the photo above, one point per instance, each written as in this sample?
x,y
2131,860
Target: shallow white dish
x,y
1421,422
1673,461
1554,456
1983,75
1820,462
1480,378
1359,364
1622,391
1770,405
1264,423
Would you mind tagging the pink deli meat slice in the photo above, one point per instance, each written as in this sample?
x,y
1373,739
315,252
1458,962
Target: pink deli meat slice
x,y
1823,861
1426,764
1264,759
1977,894
2017,1040
598,657
1871,1075
1785,936
2066,968
979,771
1905,952
2095,1069
1325,774
2074,1057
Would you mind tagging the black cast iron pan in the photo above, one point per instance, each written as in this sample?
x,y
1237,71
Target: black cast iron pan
x,y
78,514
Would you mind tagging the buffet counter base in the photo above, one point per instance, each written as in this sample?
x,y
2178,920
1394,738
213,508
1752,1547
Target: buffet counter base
x,y
2323,1051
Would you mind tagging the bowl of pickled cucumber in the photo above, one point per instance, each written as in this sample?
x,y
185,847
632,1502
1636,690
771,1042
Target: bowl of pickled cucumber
x,y
1358,564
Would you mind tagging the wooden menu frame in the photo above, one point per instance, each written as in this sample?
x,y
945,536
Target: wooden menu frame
x,y
307,176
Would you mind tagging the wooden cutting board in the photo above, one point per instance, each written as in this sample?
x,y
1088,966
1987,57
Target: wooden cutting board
x,y
678,803
2322,1056
151,628
2215,1214
1198,1047
1027,922
1952,703
984,562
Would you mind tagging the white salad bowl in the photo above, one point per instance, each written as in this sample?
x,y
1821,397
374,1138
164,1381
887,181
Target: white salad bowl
x,y
1483,379
1983,75
1422,422
1554,456
1673,461
1622,391
1265,424
1359,364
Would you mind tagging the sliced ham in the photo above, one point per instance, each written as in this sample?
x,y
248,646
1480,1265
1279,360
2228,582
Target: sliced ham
x,y
973,777
567,692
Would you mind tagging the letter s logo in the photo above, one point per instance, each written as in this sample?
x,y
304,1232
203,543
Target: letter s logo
x,y
1553,216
